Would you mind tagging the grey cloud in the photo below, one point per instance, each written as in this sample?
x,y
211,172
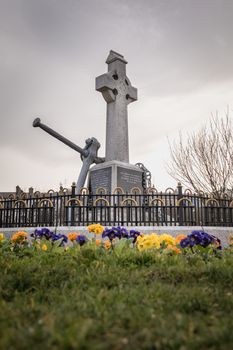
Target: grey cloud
x,y
51,51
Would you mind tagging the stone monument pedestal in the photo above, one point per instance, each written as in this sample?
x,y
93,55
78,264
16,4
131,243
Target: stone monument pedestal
x,y
113,174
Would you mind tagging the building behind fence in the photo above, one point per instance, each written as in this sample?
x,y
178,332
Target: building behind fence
x,y
65,208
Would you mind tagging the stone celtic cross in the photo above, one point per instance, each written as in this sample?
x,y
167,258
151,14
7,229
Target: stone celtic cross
x,y
118,93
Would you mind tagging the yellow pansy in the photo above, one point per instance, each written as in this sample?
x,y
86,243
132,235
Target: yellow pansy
x,y
107,245
173,248
98,241
230,240
72,236
148,242
168,239
96,229
179,238
19,236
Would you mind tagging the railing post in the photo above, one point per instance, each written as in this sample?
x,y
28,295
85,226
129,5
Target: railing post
x,y
180,209
180,190
73,188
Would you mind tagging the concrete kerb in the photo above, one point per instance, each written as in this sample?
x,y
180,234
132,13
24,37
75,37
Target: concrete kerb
x,y
222,233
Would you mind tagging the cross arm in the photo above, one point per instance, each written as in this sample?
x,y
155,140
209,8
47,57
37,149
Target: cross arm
x,y
105,84
104,81
132,93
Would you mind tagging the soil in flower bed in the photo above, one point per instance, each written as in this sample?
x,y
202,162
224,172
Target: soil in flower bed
x,y
90,299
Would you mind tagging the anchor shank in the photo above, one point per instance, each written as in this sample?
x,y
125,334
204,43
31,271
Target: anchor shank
x,y
83,173
37,123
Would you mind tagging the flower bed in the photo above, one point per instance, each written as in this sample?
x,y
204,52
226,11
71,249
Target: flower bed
x,y
115,239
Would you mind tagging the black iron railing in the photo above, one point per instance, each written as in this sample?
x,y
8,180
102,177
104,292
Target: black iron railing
x,y
169,208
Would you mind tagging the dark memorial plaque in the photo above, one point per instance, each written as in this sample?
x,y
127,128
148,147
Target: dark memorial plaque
x,y
111,177
101,178
129,178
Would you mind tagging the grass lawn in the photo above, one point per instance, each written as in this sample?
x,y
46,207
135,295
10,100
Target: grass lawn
x,y
96,299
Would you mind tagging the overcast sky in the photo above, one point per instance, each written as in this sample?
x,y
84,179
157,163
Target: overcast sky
x,y
179,55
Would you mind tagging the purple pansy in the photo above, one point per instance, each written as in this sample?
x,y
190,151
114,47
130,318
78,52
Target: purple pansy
x,y
81,240
115,232
200,238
